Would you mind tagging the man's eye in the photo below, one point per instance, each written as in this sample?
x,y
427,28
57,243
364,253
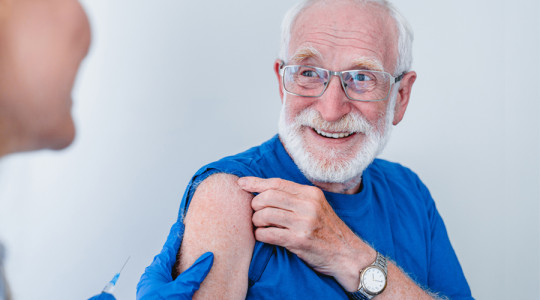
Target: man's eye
x,y
361,77
309,73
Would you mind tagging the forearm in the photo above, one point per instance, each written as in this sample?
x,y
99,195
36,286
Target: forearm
x,y
299,218
401,286
358,255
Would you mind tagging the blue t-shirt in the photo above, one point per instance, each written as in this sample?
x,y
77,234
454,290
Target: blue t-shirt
x,y
393,212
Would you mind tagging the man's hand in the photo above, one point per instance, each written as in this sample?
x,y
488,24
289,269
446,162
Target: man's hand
x,y
157,282
299,218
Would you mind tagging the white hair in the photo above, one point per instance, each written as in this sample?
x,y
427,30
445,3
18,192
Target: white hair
x,y
405,33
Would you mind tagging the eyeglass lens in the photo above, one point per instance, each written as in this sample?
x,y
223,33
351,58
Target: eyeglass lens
x,y
359,84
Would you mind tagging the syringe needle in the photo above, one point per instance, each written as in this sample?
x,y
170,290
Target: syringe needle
x,y
110,285
124,264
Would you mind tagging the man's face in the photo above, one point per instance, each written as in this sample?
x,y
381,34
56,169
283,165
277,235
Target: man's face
x,y
332,138
41,46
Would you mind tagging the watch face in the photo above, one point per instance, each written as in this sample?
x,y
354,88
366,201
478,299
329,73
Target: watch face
x,y
374,280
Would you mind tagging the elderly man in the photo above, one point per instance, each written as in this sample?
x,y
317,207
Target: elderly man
x,y
310,213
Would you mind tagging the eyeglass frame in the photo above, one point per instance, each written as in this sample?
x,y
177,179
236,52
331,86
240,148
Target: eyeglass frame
x,y
339,74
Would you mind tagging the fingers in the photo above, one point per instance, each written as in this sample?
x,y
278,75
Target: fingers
x,y
170,249
199,269
273,198
187,283
271,216
272,235
175,236
103,296
259,185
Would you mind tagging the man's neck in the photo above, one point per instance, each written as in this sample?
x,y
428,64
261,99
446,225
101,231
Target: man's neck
x,y
350,187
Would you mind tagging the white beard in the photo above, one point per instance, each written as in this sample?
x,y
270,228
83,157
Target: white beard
x,y
334,165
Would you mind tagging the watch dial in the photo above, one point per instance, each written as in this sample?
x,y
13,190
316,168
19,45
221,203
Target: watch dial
x,y
374,280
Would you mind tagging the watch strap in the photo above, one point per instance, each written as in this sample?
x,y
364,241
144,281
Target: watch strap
x,y
381,263
361,294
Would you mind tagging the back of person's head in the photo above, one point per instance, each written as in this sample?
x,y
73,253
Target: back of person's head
x,y
42,43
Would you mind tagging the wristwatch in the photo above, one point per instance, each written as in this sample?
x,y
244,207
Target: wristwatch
x,y
372,280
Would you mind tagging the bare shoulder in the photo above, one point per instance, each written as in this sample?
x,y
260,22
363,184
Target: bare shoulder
x,y
219,220
219,192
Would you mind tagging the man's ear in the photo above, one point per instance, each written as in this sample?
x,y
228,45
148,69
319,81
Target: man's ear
x,y
403,96
277,65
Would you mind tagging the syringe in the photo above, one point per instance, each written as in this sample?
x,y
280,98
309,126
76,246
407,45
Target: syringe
x,y
109,288
106,294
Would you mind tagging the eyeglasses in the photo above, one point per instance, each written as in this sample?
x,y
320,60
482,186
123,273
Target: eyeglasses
x,y
359,85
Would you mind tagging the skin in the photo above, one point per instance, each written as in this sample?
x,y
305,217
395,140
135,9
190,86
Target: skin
x,y
225,230
42,44
339,48
288,214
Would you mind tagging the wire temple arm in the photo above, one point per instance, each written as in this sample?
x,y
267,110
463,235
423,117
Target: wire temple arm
x,y
400,76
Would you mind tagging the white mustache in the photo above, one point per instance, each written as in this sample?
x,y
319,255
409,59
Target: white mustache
x,y
351,122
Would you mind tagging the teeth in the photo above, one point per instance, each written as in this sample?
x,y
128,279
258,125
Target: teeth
x,y
333,135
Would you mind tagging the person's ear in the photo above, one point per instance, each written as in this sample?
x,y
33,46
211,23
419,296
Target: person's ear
x,y
277,65
403,96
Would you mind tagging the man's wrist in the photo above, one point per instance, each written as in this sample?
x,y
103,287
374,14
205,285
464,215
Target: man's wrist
x,y
359,256
372,281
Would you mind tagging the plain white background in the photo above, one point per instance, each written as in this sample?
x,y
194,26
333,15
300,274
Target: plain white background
x,y
148,119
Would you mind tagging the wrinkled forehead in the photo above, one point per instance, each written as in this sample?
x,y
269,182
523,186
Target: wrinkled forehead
x,y
344,34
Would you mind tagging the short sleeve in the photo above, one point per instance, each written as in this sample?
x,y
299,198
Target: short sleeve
x,y
445,275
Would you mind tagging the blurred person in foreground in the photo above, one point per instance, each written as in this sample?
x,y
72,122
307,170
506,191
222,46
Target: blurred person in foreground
x,y
311,214
42,43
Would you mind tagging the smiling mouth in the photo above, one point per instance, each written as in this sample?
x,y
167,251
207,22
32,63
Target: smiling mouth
x,y
333,135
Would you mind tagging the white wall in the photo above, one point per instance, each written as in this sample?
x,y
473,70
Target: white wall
x,y
147,121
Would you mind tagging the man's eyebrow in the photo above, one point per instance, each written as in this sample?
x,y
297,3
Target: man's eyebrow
x,y
367,63
305,53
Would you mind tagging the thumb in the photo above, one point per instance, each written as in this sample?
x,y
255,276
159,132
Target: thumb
x,y
198,271
189,281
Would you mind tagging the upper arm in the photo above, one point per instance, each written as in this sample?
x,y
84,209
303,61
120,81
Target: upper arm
x,y
219,220
445,274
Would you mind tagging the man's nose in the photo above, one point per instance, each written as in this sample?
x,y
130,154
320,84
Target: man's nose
x,y
334,104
